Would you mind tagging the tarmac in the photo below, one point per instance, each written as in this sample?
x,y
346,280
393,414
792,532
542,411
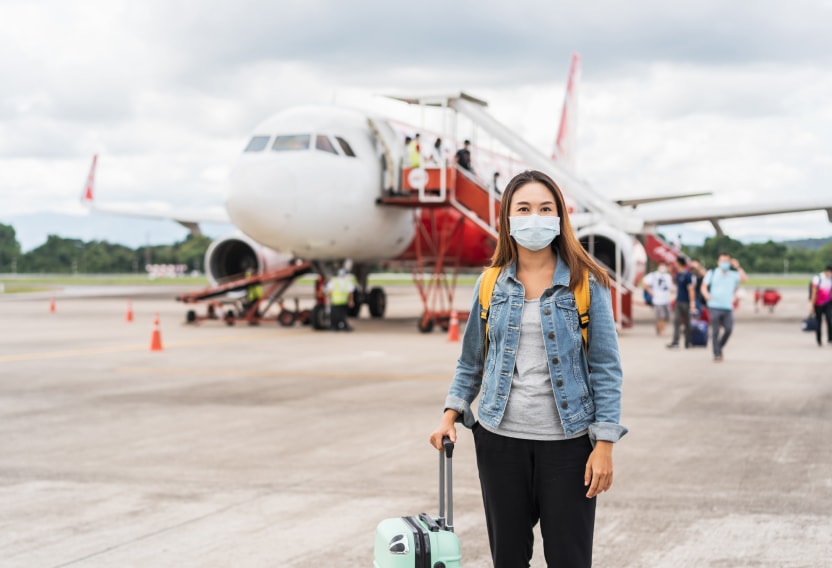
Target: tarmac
x,y
284,447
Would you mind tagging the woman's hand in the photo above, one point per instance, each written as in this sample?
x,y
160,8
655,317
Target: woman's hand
x,y
598,474
447,427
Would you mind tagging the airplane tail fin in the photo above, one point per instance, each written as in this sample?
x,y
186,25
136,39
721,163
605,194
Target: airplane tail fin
x,y
565,143
87,197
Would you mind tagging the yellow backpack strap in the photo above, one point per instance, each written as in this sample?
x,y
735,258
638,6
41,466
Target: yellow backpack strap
x,y
582,300
489,280
487,283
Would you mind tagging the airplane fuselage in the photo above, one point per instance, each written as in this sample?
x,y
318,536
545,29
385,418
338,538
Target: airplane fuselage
x,y
308,184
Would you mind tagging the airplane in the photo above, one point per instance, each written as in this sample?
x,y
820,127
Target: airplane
x,y
327,185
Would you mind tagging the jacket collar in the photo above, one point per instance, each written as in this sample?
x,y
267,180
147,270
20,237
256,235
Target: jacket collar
x,y
508,276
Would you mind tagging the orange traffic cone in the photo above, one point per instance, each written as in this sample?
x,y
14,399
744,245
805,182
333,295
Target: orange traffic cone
x,y
52,305
129,317
453,328
156,338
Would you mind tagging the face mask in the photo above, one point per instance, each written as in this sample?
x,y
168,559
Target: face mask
x,y
725,265
534,232
662,269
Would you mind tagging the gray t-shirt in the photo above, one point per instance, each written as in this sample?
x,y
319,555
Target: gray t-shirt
x,y
531,411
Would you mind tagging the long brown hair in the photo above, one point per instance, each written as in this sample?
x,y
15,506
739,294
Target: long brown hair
x,y
566,244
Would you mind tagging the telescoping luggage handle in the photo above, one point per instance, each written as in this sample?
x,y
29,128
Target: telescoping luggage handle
x,y
447,523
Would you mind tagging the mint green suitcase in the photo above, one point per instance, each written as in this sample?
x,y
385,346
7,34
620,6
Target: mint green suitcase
x,y
422,541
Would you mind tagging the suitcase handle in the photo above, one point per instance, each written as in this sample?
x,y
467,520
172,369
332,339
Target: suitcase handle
x,y
447,455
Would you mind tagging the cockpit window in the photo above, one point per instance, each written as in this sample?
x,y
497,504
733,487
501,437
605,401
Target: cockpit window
x,y
345,147
257,144
323,143
291,142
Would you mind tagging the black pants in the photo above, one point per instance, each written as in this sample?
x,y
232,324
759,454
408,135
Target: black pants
x,y
524,481
338,317
681,316
826,311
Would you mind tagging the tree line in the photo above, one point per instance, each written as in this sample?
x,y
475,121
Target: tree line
x,y
60,255
763,258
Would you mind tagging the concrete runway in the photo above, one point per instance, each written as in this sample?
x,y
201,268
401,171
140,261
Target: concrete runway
x,y
275,447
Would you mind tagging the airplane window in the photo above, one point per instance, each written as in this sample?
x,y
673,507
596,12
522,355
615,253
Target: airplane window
x,y
345,147
291,142
323,143
257,144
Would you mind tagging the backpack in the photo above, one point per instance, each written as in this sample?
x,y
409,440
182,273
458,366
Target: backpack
x,y
489,280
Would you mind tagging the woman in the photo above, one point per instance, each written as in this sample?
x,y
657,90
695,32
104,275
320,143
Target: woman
x,y
546,423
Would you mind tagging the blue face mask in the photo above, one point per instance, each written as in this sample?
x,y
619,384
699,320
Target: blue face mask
x,y
534,232
725,265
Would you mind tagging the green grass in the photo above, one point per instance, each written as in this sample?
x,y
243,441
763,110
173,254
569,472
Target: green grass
x,y
17,285
776,282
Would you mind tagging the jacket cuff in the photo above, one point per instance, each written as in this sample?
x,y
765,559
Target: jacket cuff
x,y
606,432
466,415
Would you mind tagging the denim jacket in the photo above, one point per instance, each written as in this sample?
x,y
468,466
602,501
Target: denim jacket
x,y
588,396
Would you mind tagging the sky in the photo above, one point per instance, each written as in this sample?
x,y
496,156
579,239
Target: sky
x,y
731,97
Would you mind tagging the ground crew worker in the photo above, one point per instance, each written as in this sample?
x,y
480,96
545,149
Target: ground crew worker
x,y
340,291
254,292
414,153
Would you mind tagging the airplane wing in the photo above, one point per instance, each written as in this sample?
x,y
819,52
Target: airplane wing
x,y
189,218
632,202
716,214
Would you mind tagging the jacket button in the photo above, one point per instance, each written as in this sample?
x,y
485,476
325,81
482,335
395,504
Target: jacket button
x,y
555,360
551,335
559,383
547,312
564,404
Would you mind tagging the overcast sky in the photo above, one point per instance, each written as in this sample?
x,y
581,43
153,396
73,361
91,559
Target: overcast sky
x,y
704,95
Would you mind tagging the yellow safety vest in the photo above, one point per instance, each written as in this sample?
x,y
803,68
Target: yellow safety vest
x,y
340,294
413,154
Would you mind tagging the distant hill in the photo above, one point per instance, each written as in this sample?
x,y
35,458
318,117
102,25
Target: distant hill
x,y
808,244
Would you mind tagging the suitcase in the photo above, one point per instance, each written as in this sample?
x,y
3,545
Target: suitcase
x,y
421,541
809,324
698,333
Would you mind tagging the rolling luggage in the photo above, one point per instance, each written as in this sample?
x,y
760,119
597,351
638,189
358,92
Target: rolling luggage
x,y
698,333
421,541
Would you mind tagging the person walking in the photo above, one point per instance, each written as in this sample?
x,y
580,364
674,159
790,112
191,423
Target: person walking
x,y
719,288
685,298
546,425
340,291
821,302
659,285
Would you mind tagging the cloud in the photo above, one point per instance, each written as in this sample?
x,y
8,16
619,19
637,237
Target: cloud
x,y
684,96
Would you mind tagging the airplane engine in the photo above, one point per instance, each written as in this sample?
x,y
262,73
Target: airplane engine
x,y
601,241
230,257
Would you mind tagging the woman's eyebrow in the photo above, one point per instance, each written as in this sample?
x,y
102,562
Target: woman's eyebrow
x,y
527,203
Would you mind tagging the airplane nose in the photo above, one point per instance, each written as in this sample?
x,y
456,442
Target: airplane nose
x,y
261,197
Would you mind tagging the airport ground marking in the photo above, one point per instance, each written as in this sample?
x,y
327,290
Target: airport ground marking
x,y
265,374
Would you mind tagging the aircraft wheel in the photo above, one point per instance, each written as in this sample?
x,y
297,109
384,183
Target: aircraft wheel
x,y
320,319
229,317
444,323
359,299
426,325
286,318
190,317
304,317
377,302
